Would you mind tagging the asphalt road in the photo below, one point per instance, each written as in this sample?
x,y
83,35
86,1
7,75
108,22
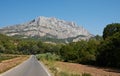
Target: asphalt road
x,y
31,67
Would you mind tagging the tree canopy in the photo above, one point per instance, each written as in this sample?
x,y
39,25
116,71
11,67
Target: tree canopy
x,y
111,29
109,49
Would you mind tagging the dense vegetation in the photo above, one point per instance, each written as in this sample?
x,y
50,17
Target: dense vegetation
x,y
97,51
11,45
111,29
109,49
103,51
80,52
7,44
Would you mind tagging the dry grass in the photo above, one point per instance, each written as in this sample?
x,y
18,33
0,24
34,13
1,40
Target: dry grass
x,y
7,64
58,68
79,68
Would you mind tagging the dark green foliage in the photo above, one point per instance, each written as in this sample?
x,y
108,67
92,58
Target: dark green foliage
x,y
109,51
27,47
111,29
30,47
80,52
68,53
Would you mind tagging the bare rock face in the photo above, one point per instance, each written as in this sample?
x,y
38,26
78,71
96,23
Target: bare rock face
x,y
50,27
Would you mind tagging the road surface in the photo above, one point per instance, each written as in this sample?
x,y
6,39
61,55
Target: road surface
x,y
31,67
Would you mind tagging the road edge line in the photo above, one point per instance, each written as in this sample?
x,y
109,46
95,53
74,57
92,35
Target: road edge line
x,y
43,66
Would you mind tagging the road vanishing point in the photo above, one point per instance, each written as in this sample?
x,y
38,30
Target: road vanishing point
x,y
30,67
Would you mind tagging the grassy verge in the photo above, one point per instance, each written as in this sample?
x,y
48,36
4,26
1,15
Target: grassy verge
x,y
50,60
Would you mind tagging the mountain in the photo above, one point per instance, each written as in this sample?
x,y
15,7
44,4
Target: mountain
x,y
45,27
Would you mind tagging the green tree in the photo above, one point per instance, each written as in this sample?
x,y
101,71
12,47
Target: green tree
x,y
86,51
80,52
28,47
109,51
111,29
68,53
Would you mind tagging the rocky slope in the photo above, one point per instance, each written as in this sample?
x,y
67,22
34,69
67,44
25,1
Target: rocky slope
x,y
48,27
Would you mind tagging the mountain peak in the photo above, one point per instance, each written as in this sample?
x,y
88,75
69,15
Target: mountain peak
x,y
53,19
47,27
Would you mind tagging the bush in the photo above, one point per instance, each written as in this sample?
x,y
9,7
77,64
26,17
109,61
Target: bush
x,y
48,56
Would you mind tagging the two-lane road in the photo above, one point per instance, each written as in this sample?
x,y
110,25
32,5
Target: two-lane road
x,y
31,67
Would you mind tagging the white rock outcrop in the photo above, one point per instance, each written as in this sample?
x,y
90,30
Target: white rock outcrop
x,y
43,26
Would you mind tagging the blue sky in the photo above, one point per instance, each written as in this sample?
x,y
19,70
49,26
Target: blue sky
x,y
93,15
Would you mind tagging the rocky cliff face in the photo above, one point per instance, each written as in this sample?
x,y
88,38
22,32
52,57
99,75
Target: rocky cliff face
x,y
48,27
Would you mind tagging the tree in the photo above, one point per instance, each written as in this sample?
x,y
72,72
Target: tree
x,y
98,38
111,29
80,52
68,53
86,51
27,47
109,51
